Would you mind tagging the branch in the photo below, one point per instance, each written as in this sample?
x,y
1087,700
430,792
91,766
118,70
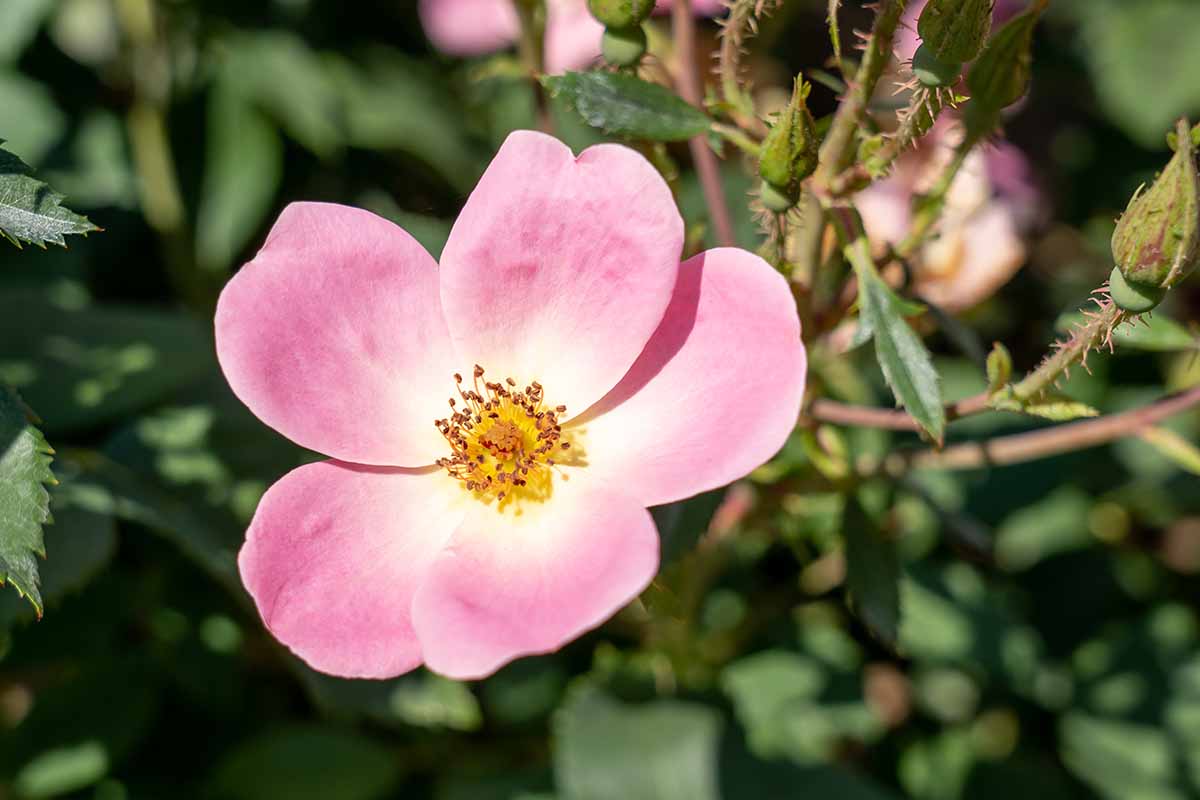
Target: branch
x,y
1023,447
838,148
837,413
683,25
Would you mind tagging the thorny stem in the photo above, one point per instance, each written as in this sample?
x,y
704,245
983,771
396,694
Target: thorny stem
x,y
683,25
740,106
1092,335
838,148
1023,447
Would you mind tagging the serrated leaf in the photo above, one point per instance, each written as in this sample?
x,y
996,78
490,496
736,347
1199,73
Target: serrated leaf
x,y
608,750
1178,449
872,572
623,105
30,211
903,357
243,167
24,500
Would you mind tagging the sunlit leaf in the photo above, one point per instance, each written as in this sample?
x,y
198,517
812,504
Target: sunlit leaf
x,y
623,105
30,211
24,501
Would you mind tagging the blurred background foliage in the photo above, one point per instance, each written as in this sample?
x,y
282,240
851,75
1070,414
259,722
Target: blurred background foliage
x,y
1048,640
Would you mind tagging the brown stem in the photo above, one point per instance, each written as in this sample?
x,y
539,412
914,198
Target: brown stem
x,y
683,25
837,413
1050,441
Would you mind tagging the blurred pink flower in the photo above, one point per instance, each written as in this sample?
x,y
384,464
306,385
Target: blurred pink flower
x,y
475,27
508,527
980,241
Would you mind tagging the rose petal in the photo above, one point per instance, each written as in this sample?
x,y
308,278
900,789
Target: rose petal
x,y
469,27
716,392
333,335
559,268
334,554
970,262
510,585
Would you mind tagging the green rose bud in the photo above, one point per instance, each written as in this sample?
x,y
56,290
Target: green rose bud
x,y
932,72
623,47
789,153
619,14
954,30
1157,240
1000,76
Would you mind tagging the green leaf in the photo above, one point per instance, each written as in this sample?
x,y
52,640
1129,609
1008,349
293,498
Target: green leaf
x,y
24,501
1153,332
1058,523
79,544
872,572
32,123
1048,405
902,356
680,525
81,365
607,750
294,84
307,763
30,211
622,105
999,368
1138,54
243,168
1178,449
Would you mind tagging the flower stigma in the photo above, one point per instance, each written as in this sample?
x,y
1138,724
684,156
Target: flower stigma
x,y
504,441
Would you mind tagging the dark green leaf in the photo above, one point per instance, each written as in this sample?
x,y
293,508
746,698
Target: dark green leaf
x,y
81,365
607,750
680,525
242,171
307,763
24,501
872,572
30,211
902,356
623,105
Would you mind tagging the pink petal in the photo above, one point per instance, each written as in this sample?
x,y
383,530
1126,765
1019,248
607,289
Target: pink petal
x,y
469,27
716,392
559,268
572,36
510,585
333,335
333,556
970,263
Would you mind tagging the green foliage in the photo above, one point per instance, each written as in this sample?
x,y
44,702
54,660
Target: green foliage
x,y
872,572
623,105
30,211
902,356
607,750
24,501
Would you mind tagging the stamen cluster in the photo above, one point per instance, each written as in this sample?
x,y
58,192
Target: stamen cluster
x,y
501,437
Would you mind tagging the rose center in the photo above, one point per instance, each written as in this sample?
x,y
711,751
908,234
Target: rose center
x,y
502,439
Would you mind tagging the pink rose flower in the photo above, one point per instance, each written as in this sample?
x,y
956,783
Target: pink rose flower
x,y
475,27
517,521
980,241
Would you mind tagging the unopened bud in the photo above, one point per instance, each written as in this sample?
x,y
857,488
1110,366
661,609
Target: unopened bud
x,y
1000,76
789,153
619,14
623,47
931,71
1157,240
954,30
